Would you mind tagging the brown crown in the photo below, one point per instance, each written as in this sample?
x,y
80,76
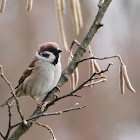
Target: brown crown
x,y
49,46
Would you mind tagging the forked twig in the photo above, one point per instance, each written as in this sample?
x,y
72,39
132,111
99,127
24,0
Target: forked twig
x,y
103,58
82,85
51,114
9,123
12,92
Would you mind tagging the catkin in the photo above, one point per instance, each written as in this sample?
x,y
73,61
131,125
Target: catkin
x,y
29,5
3,3
126,78
122,81
61,26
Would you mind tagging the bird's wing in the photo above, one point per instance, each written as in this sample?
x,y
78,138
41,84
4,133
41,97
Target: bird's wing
x,y
27,72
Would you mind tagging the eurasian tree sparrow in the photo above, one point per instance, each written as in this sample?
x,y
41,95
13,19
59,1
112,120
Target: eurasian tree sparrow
x,y
42,74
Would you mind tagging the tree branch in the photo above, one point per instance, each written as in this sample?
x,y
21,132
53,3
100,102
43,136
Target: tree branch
x,y
71,67
103,58
12,92
50,114
2,135
9,124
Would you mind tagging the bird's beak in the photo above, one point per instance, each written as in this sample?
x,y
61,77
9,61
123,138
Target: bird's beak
x,y
58,51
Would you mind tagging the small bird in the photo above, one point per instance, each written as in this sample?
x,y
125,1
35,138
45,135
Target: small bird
x,y
42,74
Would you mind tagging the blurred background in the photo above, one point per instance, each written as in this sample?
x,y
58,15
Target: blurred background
x,y
108,115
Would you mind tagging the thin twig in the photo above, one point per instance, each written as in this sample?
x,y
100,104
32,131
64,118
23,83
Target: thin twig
x,y
50,114
47,127
2,135
76,95
3,76
100,77
74,42
97,82
79,87
9,124
82,85
103,58
12,92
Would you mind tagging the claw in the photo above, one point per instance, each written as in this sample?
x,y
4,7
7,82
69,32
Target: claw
x,y
38,104
55,95
58,87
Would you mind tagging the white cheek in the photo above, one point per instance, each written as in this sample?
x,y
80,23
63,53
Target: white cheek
x,y
50,59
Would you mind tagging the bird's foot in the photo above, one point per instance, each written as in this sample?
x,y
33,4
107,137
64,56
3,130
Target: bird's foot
x,y
38,103
58,87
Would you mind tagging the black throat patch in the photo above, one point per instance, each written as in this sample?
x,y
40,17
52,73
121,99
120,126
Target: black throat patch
x,y
56,59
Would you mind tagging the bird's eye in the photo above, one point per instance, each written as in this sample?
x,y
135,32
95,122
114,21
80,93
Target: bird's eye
x,y
45,55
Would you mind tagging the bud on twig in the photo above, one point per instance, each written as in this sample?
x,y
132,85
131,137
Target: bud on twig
x,y
25,122
77,104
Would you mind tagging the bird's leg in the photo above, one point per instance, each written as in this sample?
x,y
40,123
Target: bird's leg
x,y
38,103
58,87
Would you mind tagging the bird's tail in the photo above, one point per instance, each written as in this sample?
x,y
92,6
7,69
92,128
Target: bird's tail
x,y
10,101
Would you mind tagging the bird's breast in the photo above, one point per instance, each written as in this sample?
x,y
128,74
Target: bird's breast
x,y
40,81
